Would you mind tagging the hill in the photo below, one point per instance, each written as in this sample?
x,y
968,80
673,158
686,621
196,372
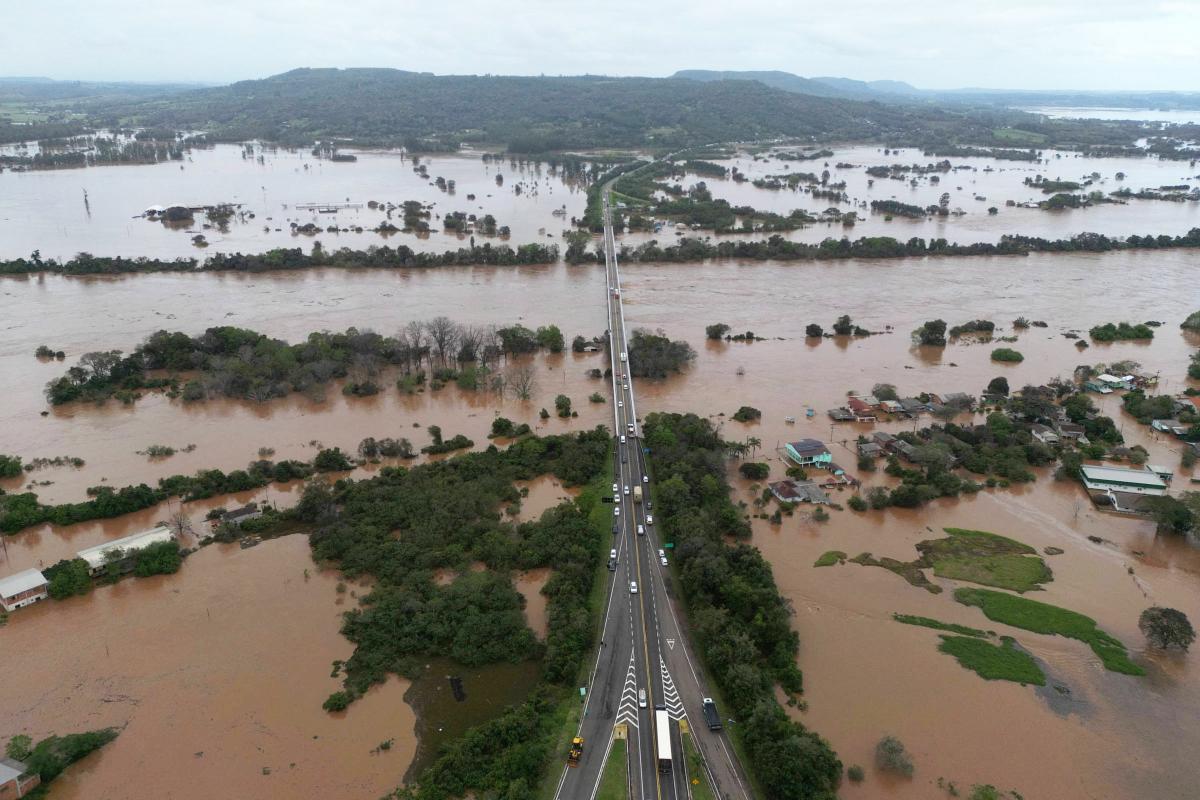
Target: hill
x,y
780,80
535,114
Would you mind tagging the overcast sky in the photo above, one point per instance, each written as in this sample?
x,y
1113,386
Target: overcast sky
x,y
1039,44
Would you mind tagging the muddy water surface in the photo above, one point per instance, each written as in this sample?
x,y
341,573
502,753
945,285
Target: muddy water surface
x,y
45,210
216,676
1112,737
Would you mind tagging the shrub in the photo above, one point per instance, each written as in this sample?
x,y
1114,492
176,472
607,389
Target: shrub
x,y
1122,331
1007,354
596,397
338,701
68,578
932,333
890,756
1166,628
814,331
716,331
755,470
857,503
332,461
161,558
747,414
855,773
562,404
10,466
998,386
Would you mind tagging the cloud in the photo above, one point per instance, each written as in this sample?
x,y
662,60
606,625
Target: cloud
x,y
1092,44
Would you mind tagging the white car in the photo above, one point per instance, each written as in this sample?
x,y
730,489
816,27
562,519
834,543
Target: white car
x,y
661,553
649,519
645,479
614,488
633,587
663,561
613,554
620,404
626,491
622,438
616,511
641,530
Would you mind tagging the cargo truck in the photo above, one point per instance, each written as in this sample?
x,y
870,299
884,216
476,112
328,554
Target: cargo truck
x,y
637,494
710,714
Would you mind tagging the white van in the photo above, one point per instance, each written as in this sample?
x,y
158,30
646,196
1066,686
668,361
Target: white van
x,y
641,698
649,519
641,530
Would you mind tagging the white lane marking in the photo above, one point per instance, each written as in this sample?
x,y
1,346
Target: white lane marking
x,y
628,710
671,699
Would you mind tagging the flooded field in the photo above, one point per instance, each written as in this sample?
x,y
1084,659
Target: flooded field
x,y
974,185
46,211
120,656
216,677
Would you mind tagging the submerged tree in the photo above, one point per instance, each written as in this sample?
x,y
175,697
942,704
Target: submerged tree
x,y
1166,628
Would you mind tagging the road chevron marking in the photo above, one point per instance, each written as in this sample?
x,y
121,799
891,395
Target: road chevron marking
x,y
671,699
627,712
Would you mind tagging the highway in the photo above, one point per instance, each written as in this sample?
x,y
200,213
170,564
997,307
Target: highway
x,y
644,647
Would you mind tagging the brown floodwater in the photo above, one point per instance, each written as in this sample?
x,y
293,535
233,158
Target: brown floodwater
x,y
1112,736
45,210
994,181
216,677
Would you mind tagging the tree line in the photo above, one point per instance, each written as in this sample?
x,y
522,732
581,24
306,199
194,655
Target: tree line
x,y
244,364
741,622
777,248
289,258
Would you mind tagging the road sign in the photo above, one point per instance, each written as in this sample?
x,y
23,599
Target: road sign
x,y
669,546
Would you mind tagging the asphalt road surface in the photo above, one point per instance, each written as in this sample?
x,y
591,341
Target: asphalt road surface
x,y
645,661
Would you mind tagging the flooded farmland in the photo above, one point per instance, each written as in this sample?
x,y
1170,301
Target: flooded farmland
x,y
188,663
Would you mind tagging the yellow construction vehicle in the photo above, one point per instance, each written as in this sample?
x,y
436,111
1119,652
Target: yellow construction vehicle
x,y
575,752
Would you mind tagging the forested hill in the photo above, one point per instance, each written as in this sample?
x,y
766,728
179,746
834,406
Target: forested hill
x,y
383,106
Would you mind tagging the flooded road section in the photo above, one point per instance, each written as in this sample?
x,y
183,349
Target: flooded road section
x,y
216,676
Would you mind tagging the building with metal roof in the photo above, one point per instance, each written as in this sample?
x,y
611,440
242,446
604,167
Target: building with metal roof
x,y
22,589
1122,479
97,557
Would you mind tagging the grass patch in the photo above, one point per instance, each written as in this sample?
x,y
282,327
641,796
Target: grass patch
x,y
938,625
975,556
613,784
1002,662
909,570
829,558
1038,617
697,777
985,558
